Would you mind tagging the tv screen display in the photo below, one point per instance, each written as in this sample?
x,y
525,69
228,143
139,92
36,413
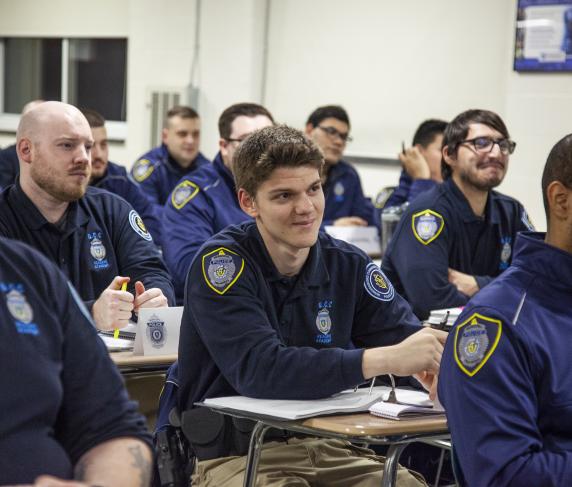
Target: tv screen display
x,y
543,35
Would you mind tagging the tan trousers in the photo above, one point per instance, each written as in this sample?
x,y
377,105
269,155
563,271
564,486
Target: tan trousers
x,y
308,462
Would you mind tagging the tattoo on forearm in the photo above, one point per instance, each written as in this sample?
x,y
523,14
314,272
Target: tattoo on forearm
x,y
141,464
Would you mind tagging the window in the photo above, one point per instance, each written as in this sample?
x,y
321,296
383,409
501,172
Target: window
x,y
90,73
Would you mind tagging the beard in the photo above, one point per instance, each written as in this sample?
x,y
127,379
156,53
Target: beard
x,y
57,187
482,184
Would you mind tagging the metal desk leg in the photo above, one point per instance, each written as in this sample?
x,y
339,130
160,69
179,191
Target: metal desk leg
x,y
391,462
254,450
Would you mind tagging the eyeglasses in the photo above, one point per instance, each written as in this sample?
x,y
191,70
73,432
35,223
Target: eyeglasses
x,y
332,132
486,144
239,141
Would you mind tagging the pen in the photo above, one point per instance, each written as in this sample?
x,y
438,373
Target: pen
x,y
123,288
371,386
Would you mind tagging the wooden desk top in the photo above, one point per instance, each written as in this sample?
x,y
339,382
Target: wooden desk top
x,y
365,424
127,359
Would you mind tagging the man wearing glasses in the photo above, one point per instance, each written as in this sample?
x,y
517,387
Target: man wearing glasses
x,y
454,239
204,202
346,205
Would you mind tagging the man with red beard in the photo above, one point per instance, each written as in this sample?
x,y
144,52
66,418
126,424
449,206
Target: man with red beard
x,y
454,239
96,238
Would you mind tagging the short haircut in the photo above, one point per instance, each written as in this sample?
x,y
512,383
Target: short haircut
x,y
457,130
95,119
558,168
328,111
180,111
427,131
269,149
237,110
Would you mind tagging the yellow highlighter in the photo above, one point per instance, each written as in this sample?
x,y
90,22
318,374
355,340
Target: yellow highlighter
x,y
123,288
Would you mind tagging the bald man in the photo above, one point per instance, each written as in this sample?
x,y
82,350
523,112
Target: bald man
x,y
96,238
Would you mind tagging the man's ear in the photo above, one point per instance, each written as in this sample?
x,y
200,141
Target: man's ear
x,y
164,134
309,128
24,150
247,203
559,199
449,158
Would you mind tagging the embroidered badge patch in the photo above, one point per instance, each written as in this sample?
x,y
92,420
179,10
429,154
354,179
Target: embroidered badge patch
x,y
377,284
22,313
427,225
183,193
339,191
475,341
156,331
221,269
97,250
137,224
142,169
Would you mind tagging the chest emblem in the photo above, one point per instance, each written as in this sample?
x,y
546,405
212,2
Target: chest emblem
x,y
324,323
475,341
427,225
221,269
183,193
97,250
506,252
142,169
22,312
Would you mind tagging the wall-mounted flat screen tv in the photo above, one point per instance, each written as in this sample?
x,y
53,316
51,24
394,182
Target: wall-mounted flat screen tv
x,y
543,35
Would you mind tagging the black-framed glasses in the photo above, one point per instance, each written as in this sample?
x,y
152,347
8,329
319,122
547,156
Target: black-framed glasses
x,y
486,144
240,141
333,132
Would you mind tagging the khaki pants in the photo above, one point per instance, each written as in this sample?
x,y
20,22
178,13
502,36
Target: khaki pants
x,y
308,462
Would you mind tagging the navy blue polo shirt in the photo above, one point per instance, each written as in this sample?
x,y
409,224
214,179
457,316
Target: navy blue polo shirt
x,y
505,376
201,205
61,394
248,330
9,166
438,231
158,173
344,196
117,181
102,237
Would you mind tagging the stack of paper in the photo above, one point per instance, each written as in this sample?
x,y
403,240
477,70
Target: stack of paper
x,y
410,404
444,318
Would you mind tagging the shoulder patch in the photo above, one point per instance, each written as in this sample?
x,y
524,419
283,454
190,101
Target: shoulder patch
x,y
137,224
142,169
475,341
221,269
427,225
376,283
183,193
524,218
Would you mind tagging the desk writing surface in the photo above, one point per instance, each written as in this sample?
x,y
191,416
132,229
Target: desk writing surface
x,y
368,425
124,359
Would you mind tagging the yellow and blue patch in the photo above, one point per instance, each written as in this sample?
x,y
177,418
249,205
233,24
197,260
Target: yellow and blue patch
x,y
184,192
427,225
142,169
376,283
475,341
221,269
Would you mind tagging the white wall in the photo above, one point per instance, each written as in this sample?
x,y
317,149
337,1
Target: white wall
x,y
391,64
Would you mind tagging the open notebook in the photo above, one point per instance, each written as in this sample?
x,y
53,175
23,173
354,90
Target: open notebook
x,y
411,404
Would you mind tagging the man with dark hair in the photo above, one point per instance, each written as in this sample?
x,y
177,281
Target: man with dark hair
x,y
250,323
329,127
95,237
455,238
204,202
65,412
160,169
421,163
113,177
506,366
